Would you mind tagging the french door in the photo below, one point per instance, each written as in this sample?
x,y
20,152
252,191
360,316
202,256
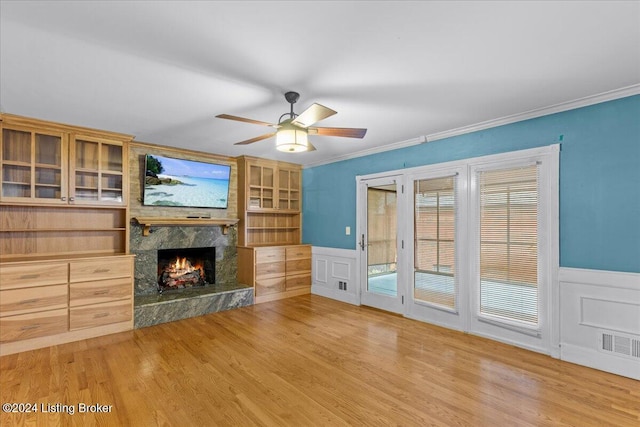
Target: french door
x,y
470,245
379,244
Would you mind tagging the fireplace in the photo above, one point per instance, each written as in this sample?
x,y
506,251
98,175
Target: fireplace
x,y
185,268
208,247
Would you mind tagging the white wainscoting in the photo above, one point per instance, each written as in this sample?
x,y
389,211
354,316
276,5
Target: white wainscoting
x,y
600,320
331,266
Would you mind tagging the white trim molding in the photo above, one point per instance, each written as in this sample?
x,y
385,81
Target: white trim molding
x,y
596,306
501,121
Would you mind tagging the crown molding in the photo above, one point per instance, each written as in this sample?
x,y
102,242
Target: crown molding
x,y
531,114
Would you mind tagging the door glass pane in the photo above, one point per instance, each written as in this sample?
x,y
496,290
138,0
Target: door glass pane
x,y
509,244
382,240
434,231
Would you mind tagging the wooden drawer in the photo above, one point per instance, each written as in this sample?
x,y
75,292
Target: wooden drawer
x,y
298,252
29,300
270,270
32,275
33,325
99,291
100,268
298,282
298,266
100,314
269,254
270,286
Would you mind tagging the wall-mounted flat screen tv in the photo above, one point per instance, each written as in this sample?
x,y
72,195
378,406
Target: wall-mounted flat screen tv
x,y
185,183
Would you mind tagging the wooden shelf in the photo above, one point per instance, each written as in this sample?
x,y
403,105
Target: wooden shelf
x,y
148,222
53,230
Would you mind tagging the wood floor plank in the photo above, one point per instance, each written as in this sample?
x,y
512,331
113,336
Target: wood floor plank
x,y
308,361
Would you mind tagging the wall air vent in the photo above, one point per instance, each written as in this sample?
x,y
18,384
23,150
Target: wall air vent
x,y
620,344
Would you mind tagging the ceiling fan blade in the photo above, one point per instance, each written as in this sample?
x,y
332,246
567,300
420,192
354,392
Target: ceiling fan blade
x,y
313,114
345,132
242,119
256,139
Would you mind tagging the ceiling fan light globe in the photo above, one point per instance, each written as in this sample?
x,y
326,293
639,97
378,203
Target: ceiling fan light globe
x,y
292,140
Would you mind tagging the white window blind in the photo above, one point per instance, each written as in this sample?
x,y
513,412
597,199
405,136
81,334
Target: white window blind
x,y
434,245
509,244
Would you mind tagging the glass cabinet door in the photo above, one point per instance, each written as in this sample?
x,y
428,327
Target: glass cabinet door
x,y
289,189
97,171
33,165
261,187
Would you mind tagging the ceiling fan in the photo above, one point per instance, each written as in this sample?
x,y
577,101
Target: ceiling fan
x,y
292,132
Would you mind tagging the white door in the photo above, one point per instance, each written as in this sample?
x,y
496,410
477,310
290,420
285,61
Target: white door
x,y
380,245
437,217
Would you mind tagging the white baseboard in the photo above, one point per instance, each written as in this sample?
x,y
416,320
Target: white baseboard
x,y
596,360
323,291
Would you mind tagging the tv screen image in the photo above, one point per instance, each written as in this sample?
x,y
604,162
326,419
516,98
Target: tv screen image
x,y
185,183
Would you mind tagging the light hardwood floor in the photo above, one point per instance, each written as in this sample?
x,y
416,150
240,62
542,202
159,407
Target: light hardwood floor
x,y
308,361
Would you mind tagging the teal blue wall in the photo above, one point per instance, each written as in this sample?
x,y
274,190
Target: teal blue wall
x,y
599,181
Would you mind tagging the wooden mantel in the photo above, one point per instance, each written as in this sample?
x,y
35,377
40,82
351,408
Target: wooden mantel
x,y
148,222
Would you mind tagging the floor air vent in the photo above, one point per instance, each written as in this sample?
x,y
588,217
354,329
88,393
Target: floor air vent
x,y
620,344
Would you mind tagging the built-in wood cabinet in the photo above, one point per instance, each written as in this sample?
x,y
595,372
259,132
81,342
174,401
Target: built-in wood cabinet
x,y
275,272
63,190
44,303
44,162
270,202
270,256
64,269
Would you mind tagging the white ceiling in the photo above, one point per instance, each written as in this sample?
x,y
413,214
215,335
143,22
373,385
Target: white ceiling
x,y
161,70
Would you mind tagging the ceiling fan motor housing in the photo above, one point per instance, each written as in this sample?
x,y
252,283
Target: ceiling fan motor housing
x,y
292,97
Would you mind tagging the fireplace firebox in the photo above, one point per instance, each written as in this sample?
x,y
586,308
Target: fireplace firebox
x,y
185,268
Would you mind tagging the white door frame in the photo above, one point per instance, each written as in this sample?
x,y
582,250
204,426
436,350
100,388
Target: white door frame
x,y
383,302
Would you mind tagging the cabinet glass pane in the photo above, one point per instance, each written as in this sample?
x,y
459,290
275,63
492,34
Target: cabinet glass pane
x,y
111,187
267,198
267,177
48,150
294,180
48,166
87,154
16,181
111,158
48,192
86,185
16,146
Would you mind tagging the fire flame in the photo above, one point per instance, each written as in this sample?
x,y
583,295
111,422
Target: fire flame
x,y
182,264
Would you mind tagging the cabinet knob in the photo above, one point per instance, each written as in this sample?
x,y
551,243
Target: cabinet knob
x,y
71,199
63,198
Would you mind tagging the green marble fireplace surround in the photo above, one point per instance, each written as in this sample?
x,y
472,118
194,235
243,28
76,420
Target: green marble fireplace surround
x,y
152,307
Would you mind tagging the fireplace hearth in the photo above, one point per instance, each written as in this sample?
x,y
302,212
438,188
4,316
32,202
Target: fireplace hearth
x,y
185,268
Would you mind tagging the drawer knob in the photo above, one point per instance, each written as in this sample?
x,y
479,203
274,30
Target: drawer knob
x,y
101,292
101,270
29,327
99,315
29,301
29,276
